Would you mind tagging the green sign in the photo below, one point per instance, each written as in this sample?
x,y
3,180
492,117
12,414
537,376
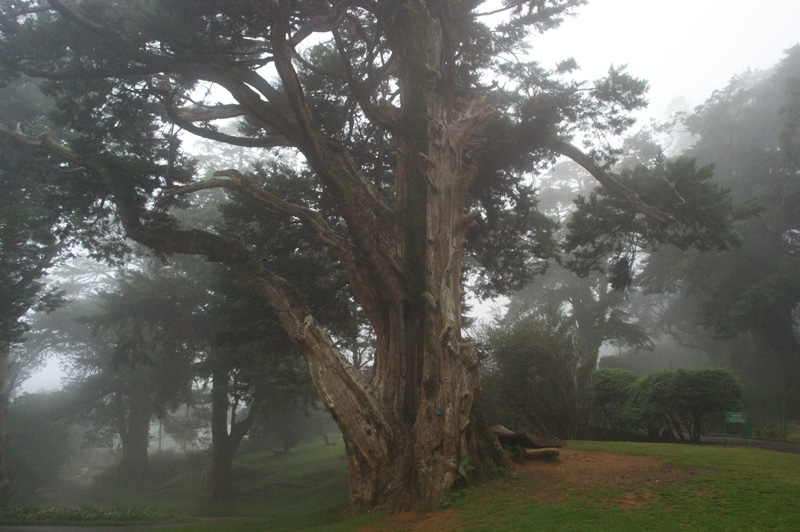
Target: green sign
x,y
736,417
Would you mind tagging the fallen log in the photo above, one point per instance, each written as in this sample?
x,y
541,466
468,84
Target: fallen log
x,y
521,454
509,438
539,454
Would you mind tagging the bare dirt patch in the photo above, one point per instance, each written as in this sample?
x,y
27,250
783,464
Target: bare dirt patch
x,y
549,481
552,480
445,520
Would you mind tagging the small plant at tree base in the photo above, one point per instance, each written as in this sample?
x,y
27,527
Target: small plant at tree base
x,y
464,468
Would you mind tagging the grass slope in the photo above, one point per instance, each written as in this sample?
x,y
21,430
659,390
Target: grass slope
x,y
306,487
735,489
83,515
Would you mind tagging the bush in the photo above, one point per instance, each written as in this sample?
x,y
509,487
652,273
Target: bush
x,y
611,390
676,402
533,374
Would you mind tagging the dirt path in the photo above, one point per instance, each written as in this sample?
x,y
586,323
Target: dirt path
x,y
549,481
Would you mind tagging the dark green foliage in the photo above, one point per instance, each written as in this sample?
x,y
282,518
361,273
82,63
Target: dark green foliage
x,y
750,293
602,227
534,374
611,390
114,97
678,401
288,248
29,212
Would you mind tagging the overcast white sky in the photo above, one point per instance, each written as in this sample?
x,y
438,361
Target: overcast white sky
x,y
682,47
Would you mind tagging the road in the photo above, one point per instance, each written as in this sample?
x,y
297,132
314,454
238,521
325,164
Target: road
x,y
780,446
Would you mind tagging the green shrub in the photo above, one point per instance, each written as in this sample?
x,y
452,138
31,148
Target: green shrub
x,y
534,373
676,402
611,391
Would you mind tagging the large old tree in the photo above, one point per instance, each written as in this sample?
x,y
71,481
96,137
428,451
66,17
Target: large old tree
x,y
415,122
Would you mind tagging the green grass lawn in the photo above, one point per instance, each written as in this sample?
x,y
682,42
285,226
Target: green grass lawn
x,y
733,489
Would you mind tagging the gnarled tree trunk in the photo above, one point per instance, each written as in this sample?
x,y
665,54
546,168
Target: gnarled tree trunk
x,y
408,428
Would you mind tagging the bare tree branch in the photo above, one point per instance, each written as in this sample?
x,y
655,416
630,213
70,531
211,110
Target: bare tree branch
x,y
68,13
206,114
383,115
185,119
312,219
616,188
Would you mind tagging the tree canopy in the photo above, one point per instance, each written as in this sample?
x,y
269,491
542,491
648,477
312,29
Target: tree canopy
x,y
751,293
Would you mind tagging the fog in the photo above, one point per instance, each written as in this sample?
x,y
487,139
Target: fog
x,y
138,374
683,48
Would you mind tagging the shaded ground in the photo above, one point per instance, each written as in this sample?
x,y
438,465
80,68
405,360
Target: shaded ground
x,y
549,481
129,528
81,528
69,487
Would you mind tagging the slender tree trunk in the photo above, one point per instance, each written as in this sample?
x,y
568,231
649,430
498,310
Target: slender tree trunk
x,y
697,426
133,417
776,331
590,317
676,427
224,443
219,478
5,392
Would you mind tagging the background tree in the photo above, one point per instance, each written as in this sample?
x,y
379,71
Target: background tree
x,y
237,367
535,373
414,159
190,423
29,243
137,361
750,293
38,443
